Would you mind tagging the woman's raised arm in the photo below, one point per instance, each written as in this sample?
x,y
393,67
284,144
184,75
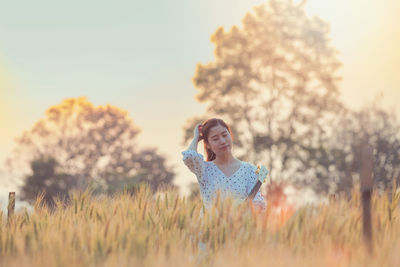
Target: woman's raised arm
x,y
196,138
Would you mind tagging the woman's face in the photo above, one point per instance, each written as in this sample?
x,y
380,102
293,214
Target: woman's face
x,y
219,140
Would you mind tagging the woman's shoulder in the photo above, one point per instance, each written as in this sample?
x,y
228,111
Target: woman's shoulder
x,y
208,163
249,166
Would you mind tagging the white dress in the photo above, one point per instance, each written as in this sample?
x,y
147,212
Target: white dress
x,y
211,179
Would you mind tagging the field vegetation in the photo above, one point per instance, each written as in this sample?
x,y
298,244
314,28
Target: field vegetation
x,y
165,229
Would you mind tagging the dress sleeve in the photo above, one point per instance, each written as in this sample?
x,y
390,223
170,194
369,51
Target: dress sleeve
x,y
194,161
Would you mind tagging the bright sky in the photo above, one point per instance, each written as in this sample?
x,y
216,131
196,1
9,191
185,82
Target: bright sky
x,y
141,56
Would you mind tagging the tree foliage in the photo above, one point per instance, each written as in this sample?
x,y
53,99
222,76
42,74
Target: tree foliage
x,y
274,81
47,179
91,144
378,128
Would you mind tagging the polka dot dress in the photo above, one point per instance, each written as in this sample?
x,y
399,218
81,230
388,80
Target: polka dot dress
x,y
211,179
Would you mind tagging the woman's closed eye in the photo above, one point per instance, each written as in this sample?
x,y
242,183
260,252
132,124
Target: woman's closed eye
x,y
216,138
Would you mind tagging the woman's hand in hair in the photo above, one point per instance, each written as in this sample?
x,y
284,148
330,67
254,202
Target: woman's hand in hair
x,y
197,137
197,131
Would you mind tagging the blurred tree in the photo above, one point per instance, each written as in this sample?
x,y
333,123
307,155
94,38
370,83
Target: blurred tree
x,y
381,130
92,144
152,171
274,81
46,178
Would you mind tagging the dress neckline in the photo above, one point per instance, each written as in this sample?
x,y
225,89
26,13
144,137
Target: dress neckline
x,y
233,174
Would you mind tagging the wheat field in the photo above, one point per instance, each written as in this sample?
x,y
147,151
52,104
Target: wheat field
x,y
168,230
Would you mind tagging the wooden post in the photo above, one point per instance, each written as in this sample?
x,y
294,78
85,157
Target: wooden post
x,y
11,204
367,161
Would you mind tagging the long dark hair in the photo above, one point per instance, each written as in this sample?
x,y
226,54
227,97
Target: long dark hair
x,y
205,130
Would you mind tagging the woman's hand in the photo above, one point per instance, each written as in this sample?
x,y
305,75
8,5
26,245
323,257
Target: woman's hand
x,y
197,131
197,137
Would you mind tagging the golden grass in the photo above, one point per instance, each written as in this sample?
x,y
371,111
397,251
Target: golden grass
x,y
166,230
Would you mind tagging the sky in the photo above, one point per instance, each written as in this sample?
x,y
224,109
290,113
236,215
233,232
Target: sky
x,y
141,56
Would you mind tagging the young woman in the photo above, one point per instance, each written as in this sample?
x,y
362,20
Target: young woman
x,y
221,171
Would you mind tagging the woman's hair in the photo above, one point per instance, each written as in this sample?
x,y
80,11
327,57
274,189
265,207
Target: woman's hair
x,y
205,130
